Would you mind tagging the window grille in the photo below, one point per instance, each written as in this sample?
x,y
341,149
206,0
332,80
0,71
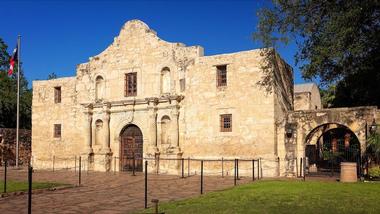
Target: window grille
x,y
57,94
221,75
130,84
226,123
57,130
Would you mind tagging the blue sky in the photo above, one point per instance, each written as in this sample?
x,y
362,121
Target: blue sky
x,y
57,35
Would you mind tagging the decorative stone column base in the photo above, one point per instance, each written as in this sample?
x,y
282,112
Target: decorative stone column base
x,y
157,161
171,162
91,161
102,162
90,151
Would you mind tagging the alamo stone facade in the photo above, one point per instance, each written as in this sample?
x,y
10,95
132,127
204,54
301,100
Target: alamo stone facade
x,y
144,97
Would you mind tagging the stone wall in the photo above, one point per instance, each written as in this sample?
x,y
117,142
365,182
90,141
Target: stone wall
x,y
309,125
8,146
252,109
46,113
283,103
190,115
307,100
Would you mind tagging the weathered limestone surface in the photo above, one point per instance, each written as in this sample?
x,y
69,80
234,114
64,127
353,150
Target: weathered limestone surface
x,y
177,108
309,125
307,97
175,123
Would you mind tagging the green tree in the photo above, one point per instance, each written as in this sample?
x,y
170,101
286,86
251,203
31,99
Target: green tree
x,y
328,96
338,43
8,94
373,147
52,76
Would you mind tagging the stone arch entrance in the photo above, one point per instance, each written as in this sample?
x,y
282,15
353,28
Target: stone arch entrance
x,y
327,145
131,149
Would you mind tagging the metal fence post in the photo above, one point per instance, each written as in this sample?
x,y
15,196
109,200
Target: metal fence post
x,y
237,169
296,167
5,176
183,167
133,166
75,165
146,185
155,202
304,168
235,173
258,169
188,167
53,162
87,166
278,161
201,176
30,170
158,164
261,168
114,165
253,169
80,170
332,167
222,168
301,167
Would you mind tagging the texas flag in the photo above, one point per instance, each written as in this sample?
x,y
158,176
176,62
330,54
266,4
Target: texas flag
x,y
12,61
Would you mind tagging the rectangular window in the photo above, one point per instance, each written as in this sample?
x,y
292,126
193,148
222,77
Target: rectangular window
x,y
221,75
130,84
57,94
57,130
226,122
182,83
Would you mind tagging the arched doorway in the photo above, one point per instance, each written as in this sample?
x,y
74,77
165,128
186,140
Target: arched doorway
x,y
328,145
131,149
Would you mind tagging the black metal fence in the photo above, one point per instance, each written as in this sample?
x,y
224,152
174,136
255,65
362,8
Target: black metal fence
x,y
325,159
203,174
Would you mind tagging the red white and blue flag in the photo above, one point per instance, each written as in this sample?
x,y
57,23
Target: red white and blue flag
x,y
12,61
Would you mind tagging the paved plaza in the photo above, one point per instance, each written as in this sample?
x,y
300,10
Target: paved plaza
x,y
107,192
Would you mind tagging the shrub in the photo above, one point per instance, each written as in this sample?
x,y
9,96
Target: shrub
x,y
374,172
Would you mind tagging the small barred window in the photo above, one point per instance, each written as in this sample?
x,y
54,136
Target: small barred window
x,y
130,84
221,75
57,130
57,94
226,123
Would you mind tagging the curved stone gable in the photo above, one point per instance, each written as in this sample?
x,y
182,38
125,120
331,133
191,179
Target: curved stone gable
x,y
137,44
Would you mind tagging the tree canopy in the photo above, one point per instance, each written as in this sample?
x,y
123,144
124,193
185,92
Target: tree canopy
x,y
8,94
338,44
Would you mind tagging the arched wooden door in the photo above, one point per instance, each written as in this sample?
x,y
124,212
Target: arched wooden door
x,y
131,149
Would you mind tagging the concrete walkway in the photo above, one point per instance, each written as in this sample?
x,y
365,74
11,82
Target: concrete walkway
x,y
107,192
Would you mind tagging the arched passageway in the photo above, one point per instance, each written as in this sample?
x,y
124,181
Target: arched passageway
x,y
328,145
131,149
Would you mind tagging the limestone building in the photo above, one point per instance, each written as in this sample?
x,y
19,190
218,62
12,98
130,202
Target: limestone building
x,y
307,97
143,97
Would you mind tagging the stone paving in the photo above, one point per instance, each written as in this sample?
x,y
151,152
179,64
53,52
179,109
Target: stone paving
x,y
107,192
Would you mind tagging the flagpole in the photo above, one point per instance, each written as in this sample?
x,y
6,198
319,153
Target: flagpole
x,y
18,99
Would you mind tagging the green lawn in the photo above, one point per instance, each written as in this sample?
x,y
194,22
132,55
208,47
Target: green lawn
x,y
284,197
14,186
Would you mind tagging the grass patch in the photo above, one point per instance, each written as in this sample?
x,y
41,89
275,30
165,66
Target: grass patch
x,y
283,197
15,186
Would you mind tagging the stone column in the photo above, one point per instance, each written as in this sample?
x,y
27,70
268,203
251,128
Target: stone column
x,y
175,136
300,146
153,123
88,131
106,128
175,116
153,147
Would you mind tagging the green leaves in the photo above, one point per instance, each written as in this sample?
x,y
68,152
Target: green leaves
x,y
373,147
8,94
336,39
